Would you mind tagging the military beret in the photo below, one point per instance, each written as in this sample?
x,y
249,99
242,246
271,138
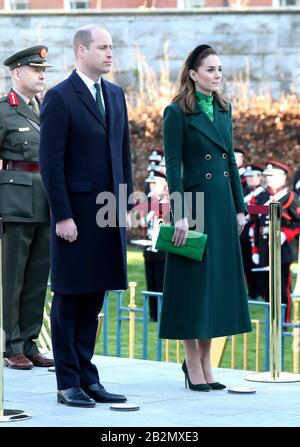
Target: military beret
x,y
34,56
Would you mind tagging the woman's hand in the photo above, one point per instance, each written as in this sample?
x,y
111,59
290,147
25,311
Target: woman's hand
x,y
181,232
241,220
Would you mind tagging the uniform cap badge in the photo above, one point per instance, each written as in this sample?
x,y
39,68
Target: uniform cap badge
x,y
43,53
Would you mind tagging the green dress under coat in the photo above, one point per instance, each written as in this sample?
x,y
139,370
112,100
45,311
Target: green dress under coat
x,y
207,299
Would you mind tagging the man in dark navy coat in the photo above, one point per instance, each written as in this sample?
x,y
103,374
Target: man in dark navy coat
x,y
84,151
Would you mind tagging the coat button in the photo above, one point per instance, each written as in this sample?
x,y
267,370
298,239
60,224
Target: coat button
x,y
25,142
208,157
226,173
11,180
208,175
224,155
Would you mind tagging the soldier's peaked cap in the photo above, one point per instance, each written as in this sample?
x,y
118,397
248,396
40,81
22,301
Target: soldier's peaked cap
x,y
239,150
34,56
276,167
251,170
154,177
155,156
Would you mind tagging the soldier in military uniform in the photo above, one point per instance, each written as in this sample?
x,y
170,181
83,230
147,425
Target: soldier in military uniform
x,y
252,189
239,154
154,159
24,210
156,190
277,191
155,259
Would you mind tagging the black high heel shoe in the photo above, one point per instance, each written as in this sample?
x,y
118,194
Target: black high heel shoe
x,y
216,386
192,386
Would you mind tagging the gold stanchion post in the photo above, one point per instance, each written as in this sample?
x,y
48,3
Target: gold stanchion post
x,y
275,375
5,415
132,306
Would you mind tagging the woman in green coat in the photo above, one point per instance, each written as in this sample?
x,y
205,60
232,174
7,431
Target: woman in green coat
x,y
207,299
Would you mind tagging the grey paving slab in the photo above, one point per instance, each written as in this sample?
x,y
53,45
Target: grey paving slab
x,y
158,388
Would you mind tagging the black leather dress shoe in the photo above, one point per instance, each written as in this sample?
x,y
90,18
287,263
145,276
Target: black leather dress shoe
x,y
75,397
97,392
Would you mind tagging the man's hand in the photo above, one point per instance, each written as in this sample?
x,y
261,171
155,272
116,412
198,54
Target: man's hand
x,y
67,230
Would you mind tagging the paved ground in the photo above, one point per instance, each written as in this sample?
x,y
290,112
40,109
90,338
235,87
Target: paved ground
x,y
158,388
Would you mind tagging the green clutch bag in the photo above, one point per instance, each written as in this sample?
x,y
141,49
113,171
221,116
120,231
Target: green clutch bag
x,y
193,248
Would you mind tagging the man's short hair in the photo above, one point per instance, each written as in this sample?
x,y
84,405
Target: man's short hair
x,y
83,36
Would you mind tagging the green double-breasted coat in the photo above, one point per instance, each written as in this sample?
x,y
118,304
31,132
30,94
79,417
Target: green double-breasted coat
x,y
206,299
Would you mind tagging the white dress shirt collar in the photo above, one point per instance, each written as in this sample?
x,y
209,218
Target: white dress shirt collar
x,y
89,82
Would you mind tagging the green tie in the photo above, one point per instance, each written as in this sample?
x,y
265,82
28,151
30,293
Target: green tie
x,y
33,105
99,99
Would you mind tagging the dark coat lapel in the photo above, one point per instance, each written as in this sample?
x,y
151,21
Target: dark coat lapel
x,y
110,100
24,110
210,129
86,97
222,124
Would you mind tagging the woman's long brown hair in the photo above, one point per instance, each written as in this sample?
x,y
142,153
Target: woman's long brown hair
x,y
185,95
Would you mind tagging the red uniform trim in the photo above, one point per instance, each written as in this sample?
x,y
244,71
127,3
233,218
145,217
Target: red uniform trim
x,y
13,99
290,233
289,201
286,216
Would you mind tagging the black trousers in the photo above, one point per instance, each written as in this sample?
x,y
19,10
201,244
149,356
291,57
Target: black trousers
x,y
154,270
74,321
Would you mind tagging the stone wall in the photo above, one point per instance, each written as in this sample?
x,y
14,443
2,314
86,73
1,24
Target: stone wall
x,y
267,40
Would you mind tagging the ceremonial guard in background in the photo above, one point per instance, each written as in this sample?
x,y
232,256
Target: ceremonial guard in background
x,y
277,191
239,158
25,212
252,189
155,259
154,159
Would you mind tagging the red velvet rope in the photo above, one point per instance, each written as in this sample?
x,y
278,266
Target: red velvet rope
x,y
258,209
146,207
